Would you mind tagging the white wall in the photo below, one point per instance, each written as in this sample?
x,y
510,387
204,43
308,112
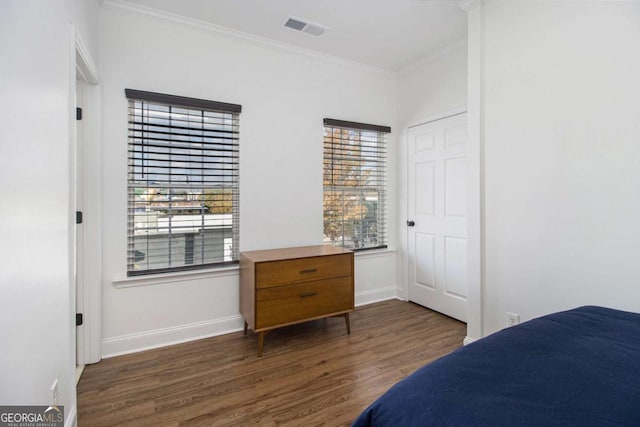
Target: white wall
x,y
433,86
285,95
36,247
562,158
86,22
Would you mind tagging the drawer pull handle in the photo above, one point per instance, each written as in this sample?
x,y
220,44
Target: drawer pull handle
x,y
308,294
310,270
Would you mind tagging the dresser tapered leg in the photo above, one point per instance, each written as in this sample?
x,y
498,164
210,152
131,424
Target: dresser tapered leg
x,y
246,325
346,320
260,343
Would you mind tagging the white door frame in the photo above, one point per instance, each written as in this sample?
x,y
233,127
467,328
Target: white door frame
x,y
474,322
91,303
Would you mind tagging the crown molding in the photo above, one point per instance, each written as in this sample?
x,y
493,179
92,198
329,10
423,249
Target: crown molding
x,y
460,44
207,26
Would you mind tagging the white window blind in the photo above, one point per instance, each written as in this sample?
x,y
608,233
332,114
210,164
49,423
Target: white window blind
x,y
183,183
355,183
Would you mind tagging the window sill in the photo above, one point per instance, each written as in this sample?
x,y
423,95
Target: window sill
x,y
374,253
181,276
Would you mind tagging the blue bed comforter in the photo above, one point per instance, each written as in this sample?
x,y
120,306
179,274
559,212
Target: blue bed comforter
x,y
574,368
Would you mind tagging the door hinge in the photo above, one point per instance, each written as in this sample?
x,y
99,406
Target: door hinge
x,y
79,217
78,113
79,319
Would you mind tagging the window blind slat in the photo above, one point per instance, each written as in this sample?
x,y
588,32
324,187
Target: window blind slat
x,y
161,98
343,124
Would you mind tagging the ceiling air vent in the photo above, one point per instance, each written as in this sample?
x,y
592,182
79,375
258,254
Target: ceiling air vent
x,y
305,27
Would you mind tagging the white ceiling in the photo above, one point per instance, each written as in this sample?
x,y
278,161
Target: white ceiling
x,y
386,34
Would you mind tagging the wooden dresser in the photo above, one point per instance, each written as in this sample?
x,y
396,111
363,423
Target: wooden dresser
x,y
280,287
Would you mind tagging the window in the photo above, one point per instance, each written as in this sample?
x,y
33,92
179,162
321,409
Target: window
x,y
182,183
355,180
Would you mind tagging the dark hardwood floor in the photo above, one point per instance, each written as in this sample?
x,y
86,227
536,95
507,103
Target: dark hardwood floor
x,y
310,374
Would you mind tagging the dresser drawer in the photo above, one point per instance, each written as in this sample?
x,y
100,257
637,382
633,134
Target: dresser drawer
x,y
276,273
293,303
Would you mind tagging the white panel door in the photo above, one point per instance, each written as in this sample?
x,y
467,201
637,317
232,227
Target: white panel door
x,y
437,209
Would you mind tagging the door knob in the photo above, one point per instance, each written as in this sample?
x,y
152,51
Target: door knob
x,y
410,223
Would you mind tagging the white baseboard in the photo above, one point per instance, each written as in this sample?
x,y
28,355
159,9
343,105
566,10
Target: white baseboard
x,y
376,295
468,340
71,420
148,340
79,371
401,294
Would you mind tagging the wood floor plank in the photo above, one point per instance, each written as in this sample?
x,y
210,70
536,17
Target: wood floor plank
x,y
310,374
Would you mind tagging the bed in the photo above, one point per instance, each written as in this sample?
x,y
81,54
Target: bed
x,y
574,368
